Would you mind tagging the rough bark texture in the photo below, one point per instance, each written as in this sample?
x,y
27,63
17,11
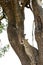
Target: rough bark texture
x,y
15,29
38,13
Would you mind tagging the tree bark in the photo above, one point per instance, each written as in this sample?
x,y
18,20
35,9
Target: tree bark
x,y
38,14
19,49
15,30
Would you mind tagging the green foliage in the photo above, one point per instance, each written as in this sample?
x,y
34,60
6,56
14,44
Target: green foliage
x,y
1,27
3,50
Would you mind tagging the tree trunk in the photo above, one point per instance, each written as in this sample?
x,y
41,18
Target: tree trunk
x,y
15,30
38,13
19,49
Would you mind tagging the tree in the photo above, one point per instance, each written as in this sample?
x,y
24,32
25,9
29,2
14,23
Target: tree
x,y
15,14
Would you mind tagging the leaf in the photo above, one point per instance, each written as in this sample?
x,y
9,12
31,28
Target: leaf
x,y
4,50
